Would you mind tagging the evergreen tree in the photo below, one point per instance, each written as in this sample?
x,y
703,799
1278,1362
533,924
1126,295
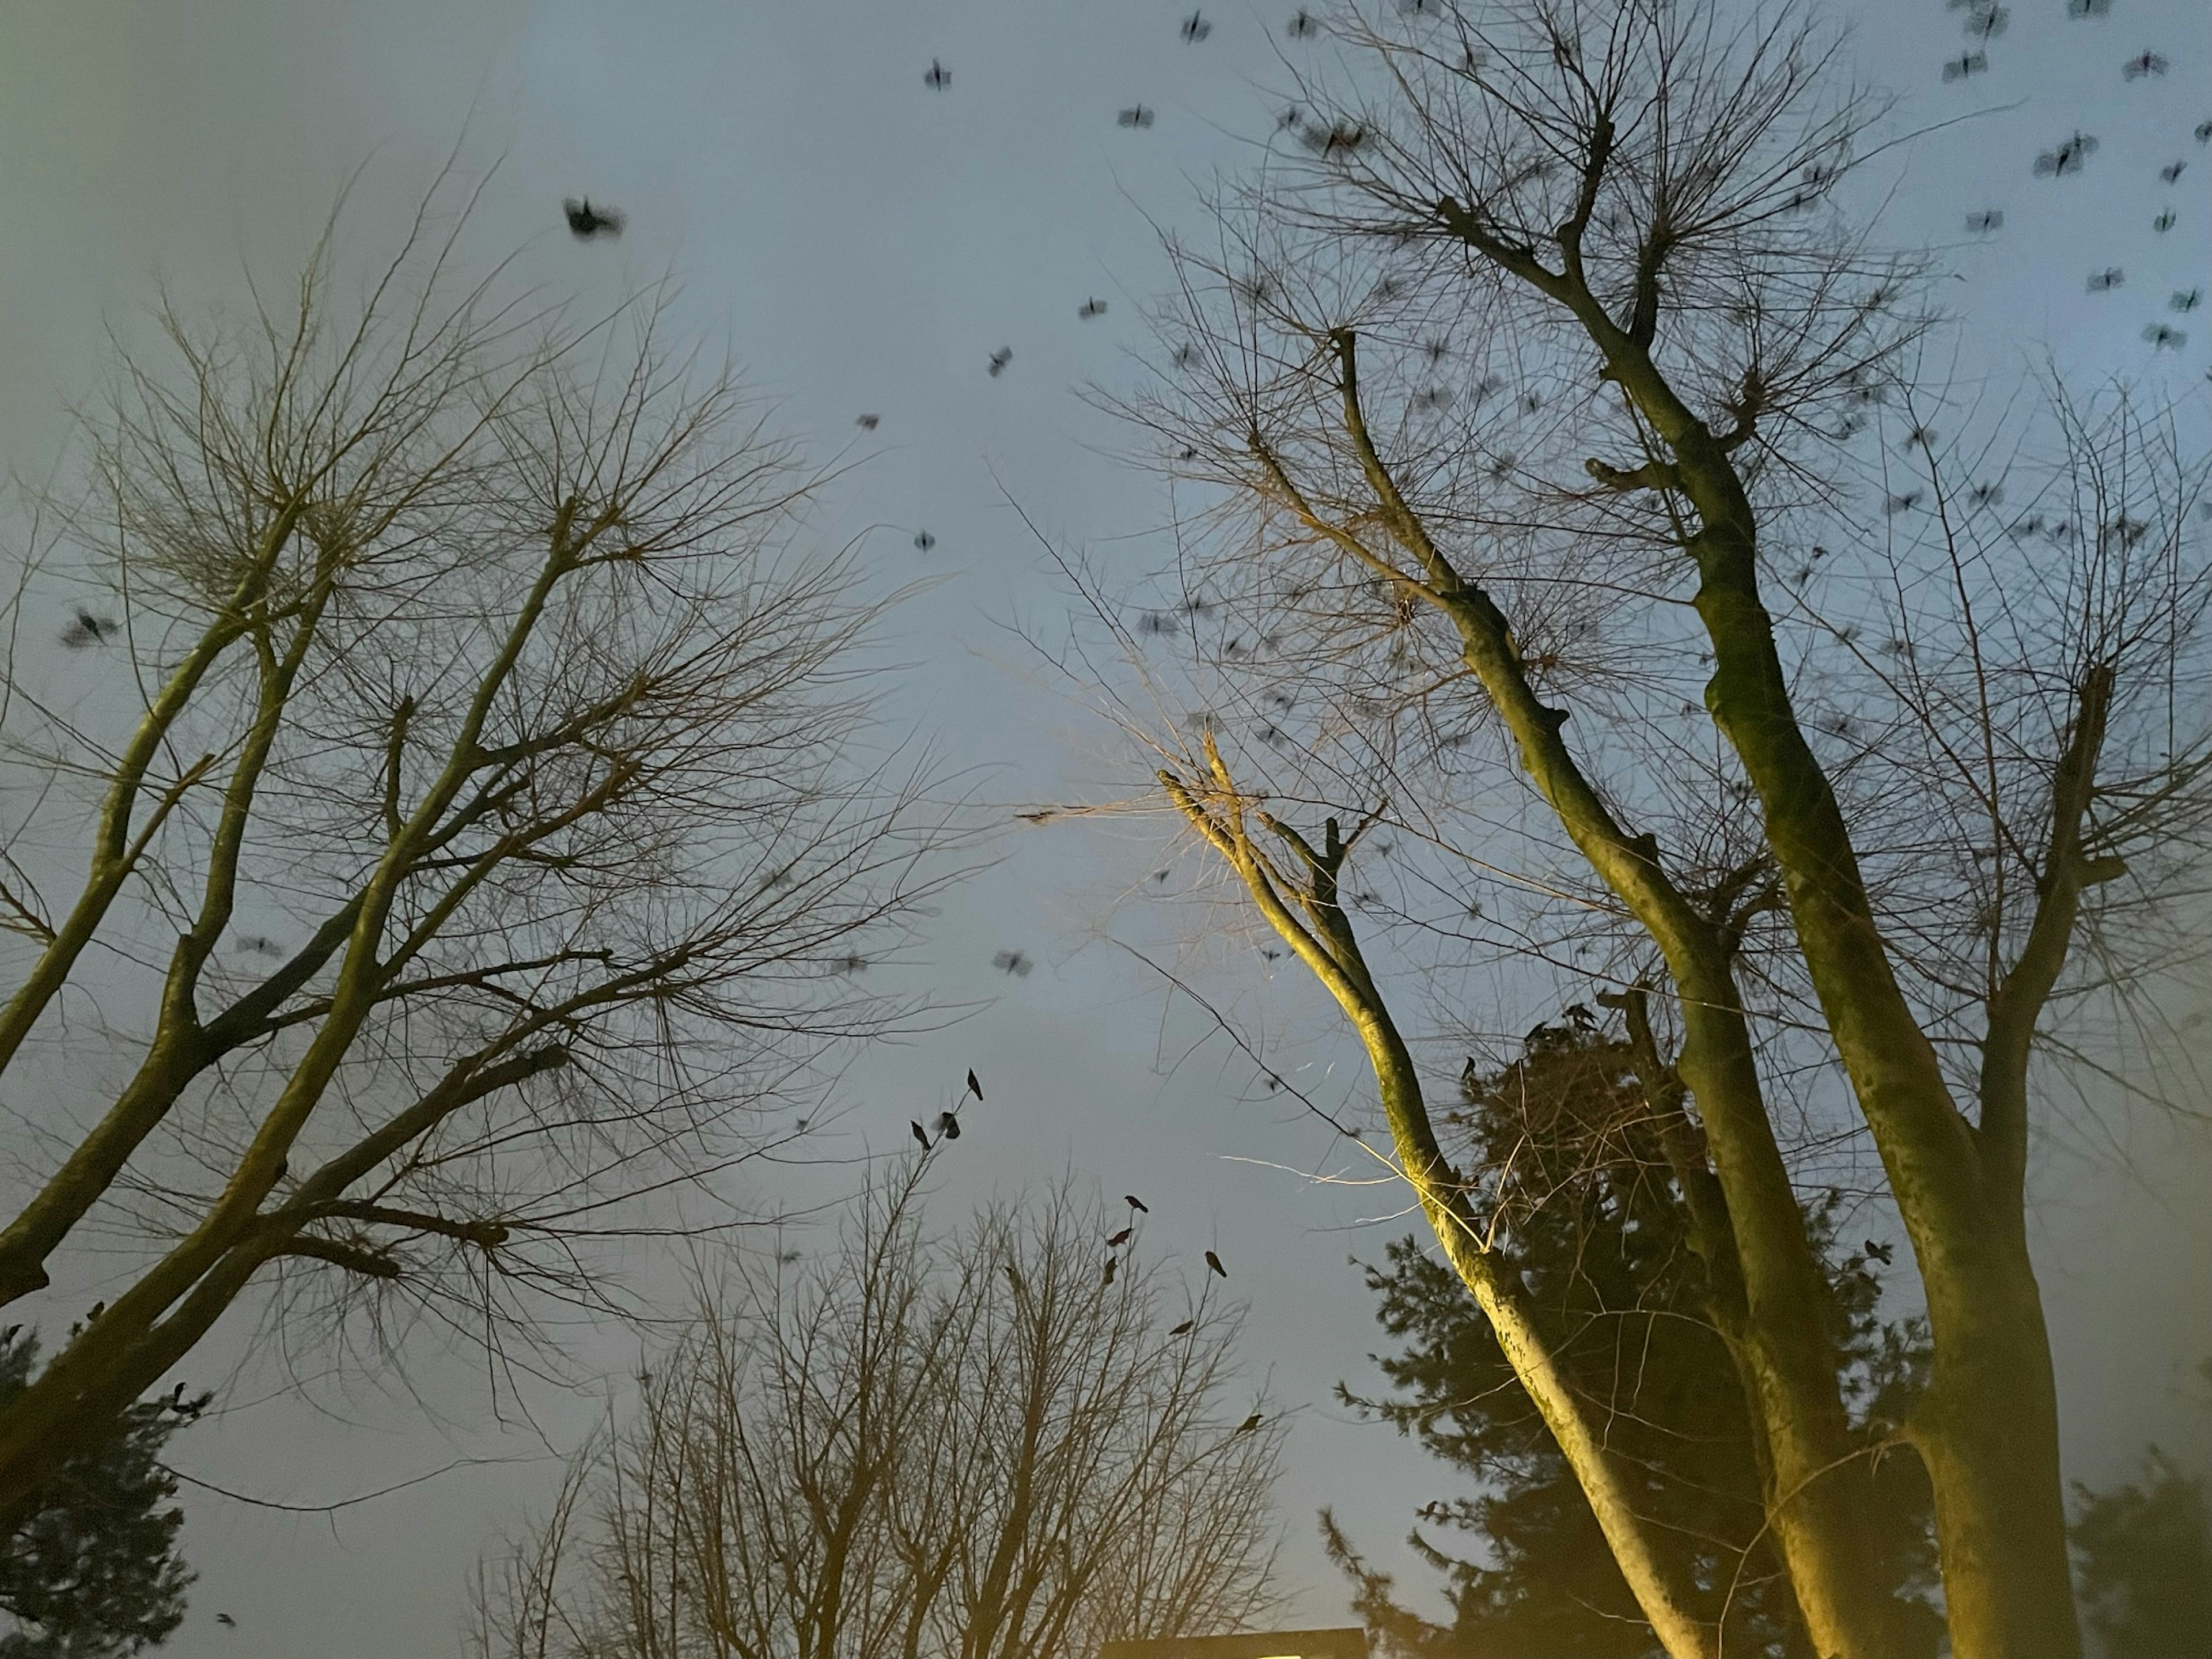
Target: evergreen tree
x,y
2144,1553
1587,1211
89,1568
2146,1565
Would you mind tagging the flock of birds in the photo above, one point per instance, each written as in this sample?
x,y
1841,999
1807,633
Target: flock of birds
x,y
1986,20
948,1128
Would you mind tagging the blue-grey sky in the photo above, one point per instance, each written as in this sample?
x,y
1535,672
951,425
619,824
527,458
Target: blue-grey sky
x,y
863,244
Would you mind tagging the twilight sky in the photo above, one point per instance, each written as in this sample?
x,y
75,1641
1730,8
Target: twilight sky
x,y
863,244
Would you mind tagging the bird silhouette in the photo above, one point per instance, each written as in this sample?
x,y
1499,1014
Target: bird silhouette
x,y
923,541
999,359
2186,299
920,1134
587,221
2066,158
2172,171
1884,1253
869,422
1112,1263
1972,63
2204,132
85,629
938,77
1303,27
975,1088
1982,224
1135,116
1014,1277
1178,1330
948,1126
2143,64
1136,1204
2165,338
1195,27
226,1621
1338,137
1213,1263
2088,8
1247,1424
1013,962
1119,1239
2104,281
1090,308
1987,22
2163,222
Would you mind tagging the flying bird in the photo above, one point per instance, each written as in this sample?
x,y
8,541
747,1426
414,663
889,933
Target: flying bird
x,y
920,1134
2163,222
2149,63
1119,1239
1339,135
1982,224
1136,1204
2171,171
923,541
2104,281
1135,116
1090,308
1884,1253
85,629
869,422
999,359
1177,1330
2186,299
1302,25
948,1126
2088,8
1213,1264
1987,22
587,221
2204,132
938,77
1195,27
1013,962
2165,338
2066,158
226,1621
974,1087
1972,63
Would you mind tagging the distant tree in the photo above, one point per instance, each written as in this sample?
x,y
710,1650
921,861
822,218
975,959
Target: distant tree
x,y
1593,1223
463,832
89,1568
2144,1555
978,1446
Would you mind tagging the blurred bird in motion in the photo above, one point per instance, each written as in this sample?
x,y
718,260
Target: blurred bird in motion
x,y
587,221
85,629
2066,158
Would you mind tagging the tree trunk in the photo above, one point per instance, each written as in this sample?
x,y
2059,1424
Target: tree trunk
x,y
1988,1431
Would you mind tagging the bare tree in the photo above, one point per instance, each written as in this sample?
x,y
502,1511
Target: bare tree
x,y
484,809
1540,375
979,1446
